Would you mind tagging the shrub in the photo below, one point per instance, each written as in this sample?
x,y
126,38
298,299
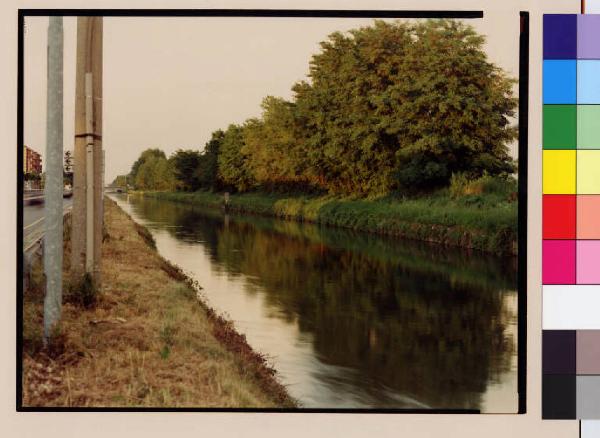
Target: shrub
x,y
462,185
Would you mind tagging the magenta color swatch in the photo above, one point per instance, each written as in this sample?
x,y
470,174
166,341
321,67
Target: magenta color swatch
x,y
588,37
558,263
588,262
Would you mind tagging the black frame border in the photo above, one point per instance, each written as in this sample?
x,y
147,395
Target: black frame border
x,y
523,144
289,13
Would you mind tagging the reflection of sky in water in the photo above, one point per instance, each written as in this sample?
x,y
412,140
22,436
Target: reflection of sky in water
x,y
309,376
501,394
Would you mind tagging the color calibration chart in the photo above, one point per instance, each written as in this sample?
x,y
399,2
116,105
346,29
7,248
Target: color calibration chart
x,y
571,217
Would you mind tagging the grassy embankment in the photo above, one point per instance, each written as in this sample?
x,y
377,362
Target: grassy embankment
x,y
484,221
146,340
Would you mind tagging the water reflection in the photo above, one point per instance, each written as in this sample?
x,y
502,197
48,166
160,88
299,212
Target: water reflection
x,y
351,319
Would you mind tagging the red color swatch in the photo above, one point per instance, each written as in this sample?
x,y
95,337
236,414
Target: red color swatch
x,y
559,216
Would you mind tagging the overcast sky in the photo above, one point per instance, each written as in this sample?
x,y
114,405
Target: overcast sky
x,y
170,82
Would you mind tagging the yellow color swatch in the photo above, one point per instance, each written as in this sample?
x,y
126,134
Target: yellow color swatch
x,y
588,172
559,172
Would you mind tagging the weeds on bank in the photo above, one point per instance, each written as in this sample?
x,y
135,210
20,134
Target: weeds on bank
x,y
474,213
145,235
83,293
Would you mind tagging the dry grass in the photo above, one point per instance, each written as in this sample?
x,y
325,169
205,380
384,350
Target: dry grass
x,y
148,341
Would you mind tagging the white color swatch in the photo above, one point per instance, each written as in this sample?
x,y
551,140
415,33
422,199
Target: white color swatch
x,y
571,307
590,428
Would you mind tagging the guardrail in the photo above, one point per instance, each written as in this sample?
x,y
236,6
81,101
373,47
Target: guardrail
x,y
33,234
37,196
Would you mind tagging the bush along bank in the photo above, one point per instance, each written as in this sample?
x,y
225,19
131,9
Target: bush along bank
x,y
481,221
144,340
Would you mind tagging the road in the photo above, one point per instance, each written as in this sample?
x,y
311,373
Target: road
x,y
32,225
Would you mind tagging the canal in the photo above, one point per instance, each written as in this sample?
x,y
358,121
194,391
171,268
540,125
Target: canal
x,y
352,320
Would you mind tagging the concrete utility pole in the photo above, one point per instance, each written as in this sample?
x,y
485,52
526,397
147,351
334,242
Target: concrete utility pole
x,y
86,239
53,189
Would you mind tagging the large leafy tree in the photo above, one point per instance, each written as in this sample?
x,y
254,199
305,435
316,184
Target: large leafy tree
x,y
120,181
233,168
144,156
208,166
405,105
164,174
155,174
185,168
273,147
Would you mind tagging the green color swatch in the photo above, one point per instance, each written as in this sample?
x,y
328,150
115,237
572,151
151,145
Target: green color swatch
x,y
588,127
560,127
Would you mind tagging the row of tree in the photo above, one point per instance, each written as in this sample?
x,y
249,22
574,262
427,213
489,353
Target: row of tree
x,y
389,107
184,170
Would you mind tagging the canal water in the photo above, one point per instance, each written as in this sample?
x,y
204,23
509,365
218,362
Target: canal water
x,y
352,320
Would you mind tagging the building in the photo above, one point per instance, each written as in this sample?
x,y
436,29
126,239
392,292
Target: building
x,y
32,161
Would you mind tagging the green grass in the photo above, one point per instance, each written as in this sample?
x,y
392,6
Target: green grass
x,y
483,221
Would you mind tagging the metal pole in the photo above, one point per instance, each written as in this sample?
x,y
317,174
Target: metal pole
x,y
53,190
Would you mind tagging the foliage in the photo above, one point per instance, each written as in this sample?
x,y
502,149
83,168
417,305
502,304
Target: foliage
x,y
233,169
157,153
148,173
403,106
120,181
68,168
155,173
272,146
32,176
388,108
461,185
486,222
185,167
394,106
208,167
68,161
151,171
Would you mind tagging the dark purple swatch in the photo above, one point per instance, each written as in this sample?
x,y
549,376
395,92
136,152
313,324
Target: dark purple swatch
x,y
559,351
560,36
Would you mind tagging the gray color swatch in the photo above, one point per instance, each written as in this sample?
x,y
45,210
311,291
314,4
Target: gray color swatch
x,y
588,397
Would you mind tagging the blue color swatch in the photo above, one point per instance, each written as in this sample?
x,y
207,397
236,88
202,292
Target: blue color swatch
x,y
560,81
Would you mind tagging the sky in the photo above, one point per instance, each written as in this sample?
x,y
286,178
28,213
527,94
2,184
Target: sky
x,y
170,82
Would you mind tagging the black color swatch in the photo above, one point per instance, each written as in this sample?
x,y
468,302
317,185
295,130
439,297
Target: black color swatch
x,y
559,397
